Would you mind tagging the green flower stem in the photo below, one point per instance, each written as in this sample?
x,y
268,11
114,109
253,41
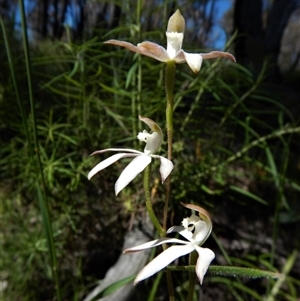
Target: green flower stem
x,y
170,79
192,276
170,286
140,73
150,210
156,224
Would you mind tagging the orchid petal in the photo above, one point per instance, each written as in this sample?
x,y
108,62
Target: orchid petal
x,y
206,256
154,140
124,44
189,222
175,229
166,166
182,231
146,48
136,166
152,125
154,243
154,51
216,54
194,60
153,143
115,150
162,260
201,232
205,216
107,162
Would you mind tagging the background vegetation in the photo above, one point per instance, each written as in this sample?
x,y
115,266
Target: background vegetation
x,y
236,144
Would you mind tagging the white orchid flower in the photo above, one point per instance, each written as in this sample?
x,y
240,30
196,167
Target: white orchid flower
x,y
141,160
174,51
195,229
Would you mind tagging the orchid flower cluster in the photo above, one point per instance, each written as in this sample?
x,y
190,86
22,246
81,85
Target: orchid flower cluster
x,y
194,229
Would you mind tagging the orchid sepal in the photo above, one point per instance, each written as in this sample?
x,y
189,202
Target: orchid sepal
x,y
153,243
162,260
166,167
206,256
136,166
107,162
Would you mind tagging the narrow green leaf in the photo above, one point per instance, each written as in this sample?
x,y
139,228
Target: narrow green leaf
x,y
232,271
152,293
286,269
113,287
114,90
248,194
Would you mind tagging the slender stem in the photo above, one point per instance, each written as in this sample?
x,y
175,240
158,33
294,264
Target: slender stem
x,y
147,191
139,76
156,223
14,80
139,102
170,79
28,71
133,118
170,286
192,276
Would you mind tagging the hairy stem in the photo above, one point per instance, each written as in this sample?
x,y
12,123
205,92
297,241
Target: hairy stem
x,y
150,210
170,78
192,276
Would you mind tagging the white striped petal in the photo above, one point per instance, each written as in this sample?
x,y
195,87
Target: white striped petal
x,y
107,162
136,166
162,260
